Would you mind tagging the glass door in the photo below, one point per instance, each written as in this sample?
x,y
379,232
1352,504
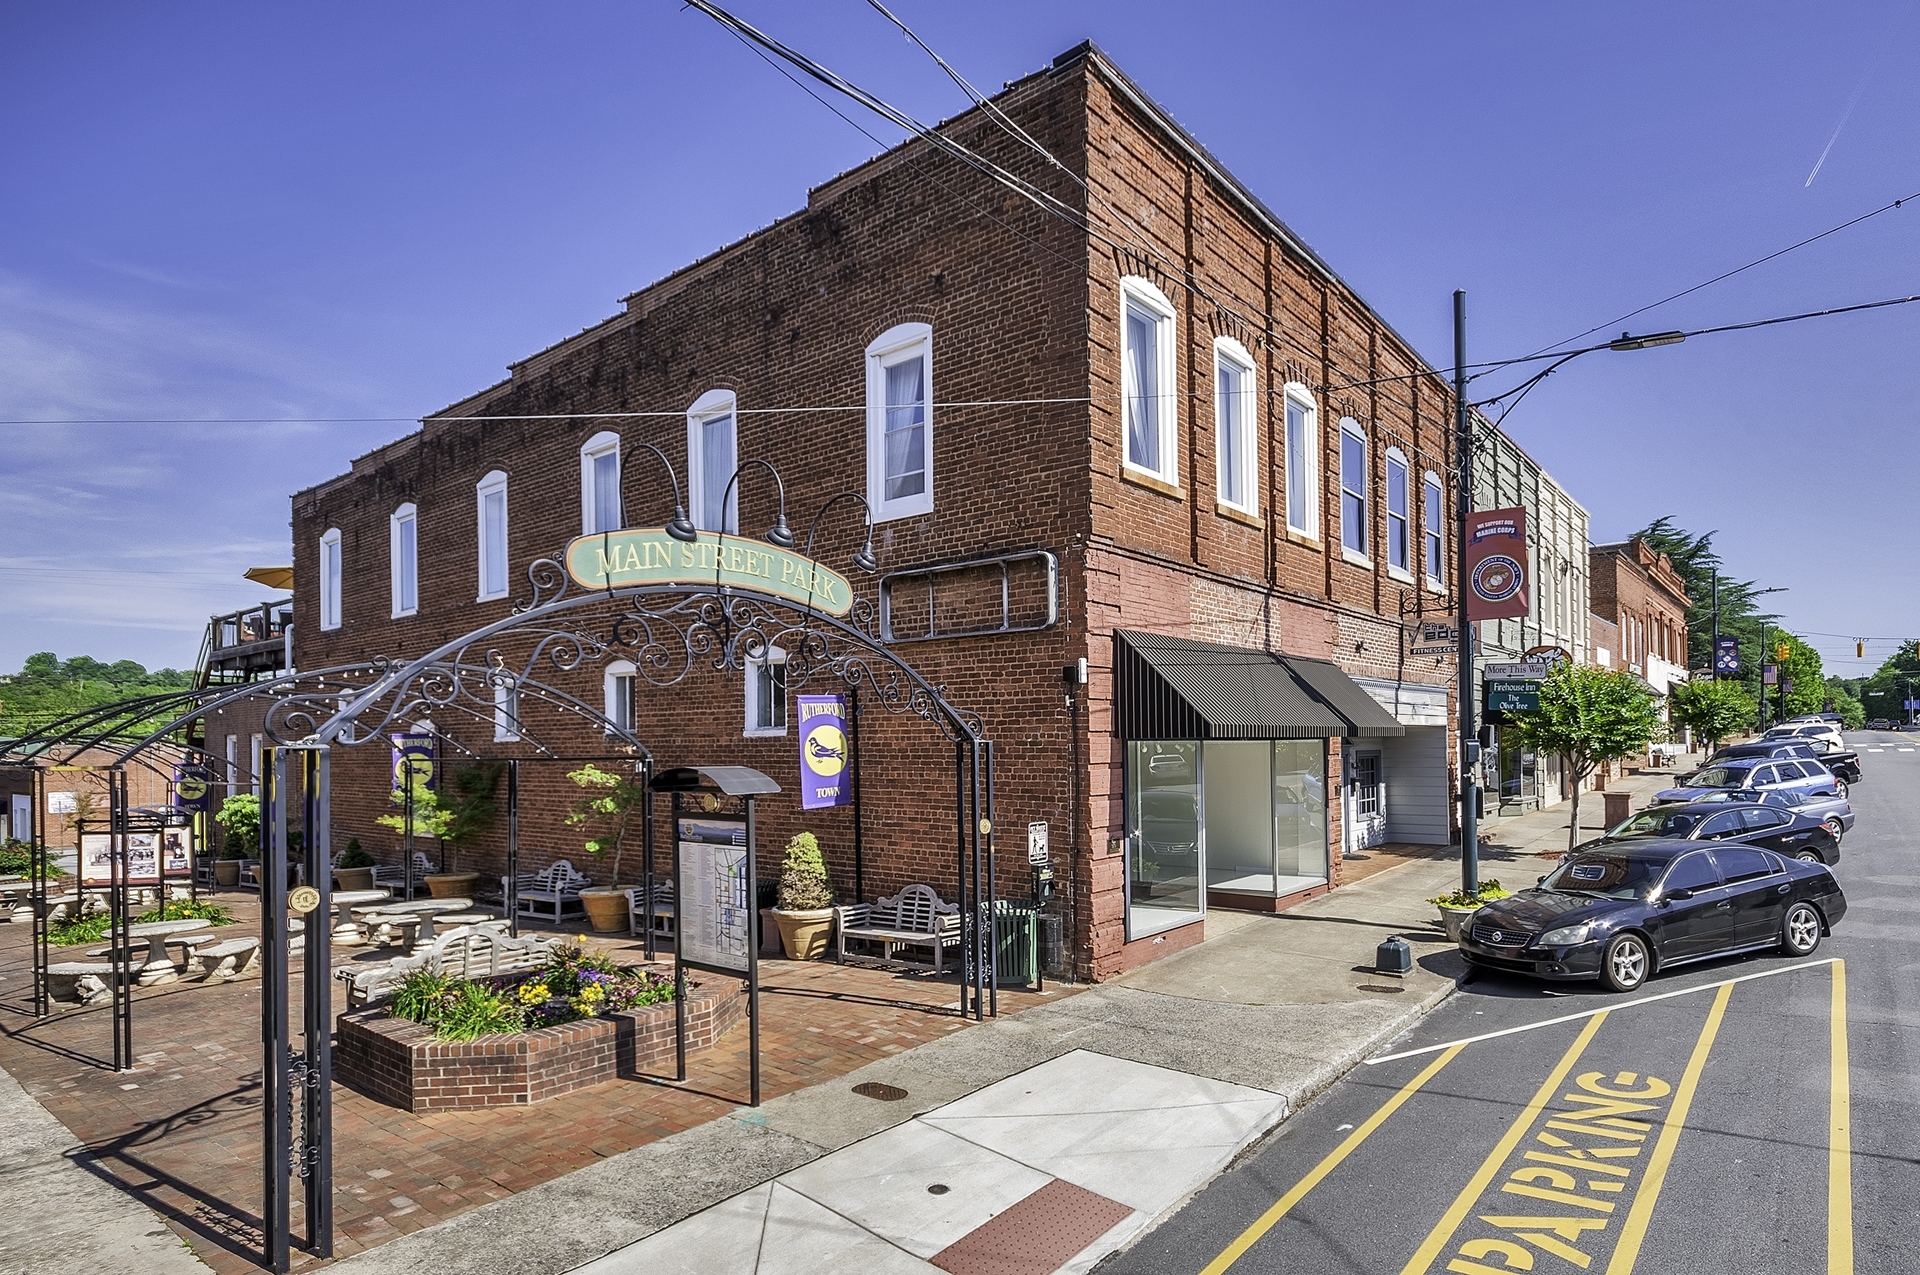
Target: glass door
x,y
1164,843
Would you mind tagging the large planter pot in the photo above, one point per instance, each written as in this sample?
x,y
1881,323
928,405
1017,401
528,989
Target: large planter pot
x,y
804,934
226,872
607,910
1454,921
452,885
351,878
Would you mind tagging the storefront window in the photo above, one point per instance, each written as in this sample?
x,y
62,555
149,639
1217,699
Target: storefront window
x,y
1519,770
1163,842
1300,814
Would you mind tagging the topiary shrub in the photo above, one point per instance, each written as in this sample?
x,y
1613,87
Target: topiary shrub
x,y
803,879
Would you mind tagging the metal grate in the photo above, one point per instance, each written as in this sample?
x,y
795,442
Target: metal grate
x,y
884,1093
1037,1236
1493,936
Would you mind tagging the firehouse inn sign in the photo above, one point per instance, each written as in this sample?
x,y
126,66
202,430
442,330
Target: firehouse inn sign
x,y
644,556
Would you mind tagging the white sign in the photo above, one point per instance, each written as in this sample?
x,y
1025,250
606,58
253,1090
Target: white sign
x,y
1037,843
715,916
1509,672
61,803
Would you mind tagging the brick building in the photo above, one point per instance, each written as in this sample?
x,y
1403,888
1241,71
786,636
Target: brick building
x,y
1637,590
1194,456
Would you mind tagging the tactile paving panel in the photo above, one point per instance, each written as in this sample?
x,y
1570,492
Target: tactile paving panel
x,y
1037,1236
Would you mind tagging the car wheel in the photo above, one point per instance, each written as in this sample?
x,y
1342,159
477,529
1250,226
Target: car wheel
x,y
1840,788
1800,932
1809,856
1833,826
1623,965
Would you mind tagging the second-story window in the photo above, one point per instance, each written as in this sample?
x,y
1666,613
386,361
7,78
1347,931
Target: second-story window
x,y
1148,408
403,538
330,578
900,422
491,499
1353,489
1237,449
506,712
712,454
600,483
1399,529
1431,512
767,693
618,687
1303,462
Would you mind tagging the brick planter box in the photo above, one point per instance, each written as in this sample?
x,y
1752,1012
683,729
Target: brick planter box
x,y
399,1062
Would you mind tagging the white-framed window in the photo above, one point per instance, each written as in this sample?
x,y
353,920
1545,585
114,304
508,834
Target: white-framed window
x,y
767,693
1303,462
1353,491
600,483
233,764
403,556
506,712
255,761
1149,408
1399,516
713,453
490,500
900,422
1432,512
1236,416
330,578
617,685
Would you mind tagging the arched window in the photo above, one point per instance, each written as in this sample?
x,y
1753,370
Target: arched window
x,y
490,498
330,578
1399,520
713,452
403,555
900,422
1355,497
600,483
1302,461
1236,427
1149,407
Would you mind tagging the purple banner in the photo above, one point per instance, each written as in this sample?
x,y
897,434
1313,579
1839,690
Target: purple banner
x,y
823,752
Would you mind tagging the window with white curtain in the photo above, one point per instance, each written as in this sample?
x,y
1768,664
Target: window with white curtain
x,y
1399,524
1353,490
617,684
330,578
767,693
506,712
256,761
900,422
1302,462
1236,445
403,553
713,446
1432,511
490,496
600,483
1149,409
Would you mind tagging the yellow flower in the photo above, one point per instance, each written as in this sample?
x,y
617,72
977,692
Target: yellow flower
x,y
593,992
533,993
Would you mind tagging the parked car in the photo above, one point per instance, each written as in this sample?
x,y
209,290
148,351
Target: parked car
x,y
1834,813
1753,823
1843,762
1766,749
1879,723
1623,912
1755,775
1809,731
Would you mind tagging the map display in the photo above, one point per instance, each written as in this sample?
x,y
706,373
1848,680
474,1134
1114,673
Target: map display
x,y
713,894
96,858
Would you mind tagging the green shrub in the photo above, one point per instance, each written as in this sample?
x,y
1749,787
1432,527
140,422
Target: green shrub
x,y
72,933
575,984
15,856
803,880
354,856
93,929
239,815
422,997
475,1009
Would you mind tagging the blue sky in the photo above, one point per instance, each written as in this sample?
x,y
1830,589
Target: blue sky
x,y
211,211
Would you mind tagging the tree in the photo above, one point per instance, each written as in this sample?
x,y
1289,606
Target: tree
x,y
430,818
239,815
609,803
1740,615
1853,714
1712,710
1589,716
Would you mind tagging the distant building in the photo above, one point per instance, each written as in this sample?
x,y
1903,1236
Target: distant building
x,y
1637,589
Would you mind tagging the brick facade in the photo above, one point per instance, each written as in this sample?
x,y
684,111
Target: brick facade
x,y
1637,589
1026,455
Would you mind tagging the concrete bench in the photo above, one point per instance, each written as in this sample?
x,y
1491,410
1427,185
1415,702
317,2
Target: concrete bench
x,y
227,960
915,917
82,981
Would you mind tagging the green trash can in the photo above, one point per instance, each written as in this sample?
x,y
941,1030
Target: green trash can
x,y
1016,930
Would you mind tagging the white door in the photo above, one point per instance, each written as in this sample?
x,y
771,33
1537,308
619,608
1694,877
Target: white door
x,y
1366,802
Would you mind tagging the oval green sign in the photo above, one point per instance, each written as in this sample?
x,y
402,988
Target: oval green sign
x,y
648,555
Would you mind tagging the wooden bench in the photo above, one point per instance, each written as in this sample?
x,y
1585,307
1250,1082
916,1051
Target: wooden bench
x,y
474,952
557,886
915,917
663,912
394,876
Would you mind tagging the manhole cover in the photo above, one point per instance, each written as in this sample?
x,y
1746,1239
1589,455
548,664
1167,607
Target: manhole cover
x,y
938,1188
892,1093
1380,987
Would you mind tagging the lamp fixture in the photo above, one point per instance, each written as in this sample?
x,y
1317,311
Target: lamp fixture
x,y
1628,341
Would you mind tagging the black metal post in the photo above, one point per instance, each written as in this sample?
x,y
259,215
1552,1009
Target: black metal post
x,y
753,961
853,792
317,1111
982,915
406,834
120,916
42,945
679,963
967,915
993,895
275,1112
512,891
650,946
1715,657
1469,742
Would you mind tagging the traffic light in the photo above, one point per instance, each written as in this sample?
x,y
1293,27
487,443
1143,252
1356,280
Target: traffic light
x,y
1780,652
1860,650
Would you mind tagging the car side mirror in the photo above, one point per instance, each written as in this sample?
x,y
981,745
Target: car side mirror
x,y
1677,896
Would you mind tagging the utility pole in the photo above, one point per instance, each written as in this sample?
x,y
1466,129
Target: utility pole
x,y
1463,505
1715,657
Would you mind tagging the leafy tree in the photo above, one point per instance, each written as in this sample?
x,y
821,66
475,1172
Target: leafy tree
x,y
239,816
46,689
430,818
609,804
1740,615
1884,692
1588,716
1712,710
1853,714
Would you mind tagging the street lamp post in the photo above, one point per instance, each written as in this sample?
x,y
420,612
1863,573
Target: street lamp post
x,y
1463,507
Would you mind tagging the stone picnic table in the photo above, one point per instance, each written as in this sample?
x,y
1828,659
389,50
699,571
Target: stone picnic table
x,y
158,934
424,909
345,931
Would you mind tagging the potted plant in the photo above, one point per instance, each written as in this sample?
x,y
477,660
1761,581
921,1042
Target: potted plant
x,y
239,818
355,869
608,803
1456,907
430,819
469,812
804,912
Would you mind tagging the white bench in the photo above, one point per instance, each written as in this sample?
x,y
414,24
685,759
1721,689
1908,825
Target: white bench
x,y
479,951
557,886
394,876
227,960
915,917
83,981
663,913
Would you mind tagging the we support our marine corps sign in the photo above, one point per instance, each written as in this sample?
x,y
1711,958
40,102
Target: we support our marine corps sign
x,y
1496,564
823,752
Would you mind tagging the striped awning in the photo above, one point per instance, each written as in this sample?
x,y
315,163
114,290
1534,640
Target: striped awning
x,y
1175,688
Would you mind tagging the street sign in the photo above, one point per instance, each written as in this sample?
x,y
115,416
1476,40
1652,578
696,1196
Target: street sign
x,y
1036,843
1529,671
1513,695
1913,705
1726,655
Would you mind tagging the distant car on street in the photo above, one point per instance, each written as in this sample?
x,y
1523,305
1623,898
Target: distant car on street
x,y
1755,775
1753,823
1879,723
1623,912
1810,732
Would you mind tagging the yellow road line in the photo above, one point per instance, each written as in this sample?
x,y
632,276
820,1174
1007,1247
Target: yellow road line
x,y
1268,1220
1839,1136
1443,1230
1627,1251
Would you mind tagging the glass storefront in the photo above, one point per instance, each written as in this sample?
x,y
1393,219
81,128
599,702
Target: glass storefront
x,y
1245,818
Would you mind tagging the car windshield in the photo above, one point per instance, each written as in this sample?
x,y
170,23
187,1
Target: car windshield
x,y
1659,823
1717,777
1606,876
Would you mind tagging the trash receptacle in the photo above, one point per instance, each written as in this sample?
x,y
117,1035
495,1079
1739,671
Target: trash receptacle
x,y
1619,806
1016,933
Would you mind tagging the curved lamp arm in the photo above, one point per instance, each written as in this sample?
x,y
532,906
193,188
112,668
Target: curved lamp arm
x,y
779,534
863,558
680,527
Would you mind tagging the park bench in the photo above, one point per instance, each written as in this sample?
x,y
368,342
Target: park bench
x,y
663,913
227,960
394,876
915,917
83,981
556,886
479,951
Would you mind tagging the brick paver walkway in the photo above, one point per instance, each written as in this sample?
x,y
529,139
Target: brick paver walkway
x,y
182,1130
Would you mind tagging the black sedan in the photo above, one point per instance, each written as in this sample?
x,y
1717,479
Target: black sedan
x,y
1750,823
1620,912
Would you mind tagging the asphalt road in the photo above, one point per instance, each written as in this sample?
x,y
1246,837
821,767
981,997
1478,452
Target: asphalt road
x,y
1768,1124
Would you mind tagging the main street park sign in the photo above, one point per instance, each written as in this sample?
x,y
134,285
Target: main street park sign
x,y
648,555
